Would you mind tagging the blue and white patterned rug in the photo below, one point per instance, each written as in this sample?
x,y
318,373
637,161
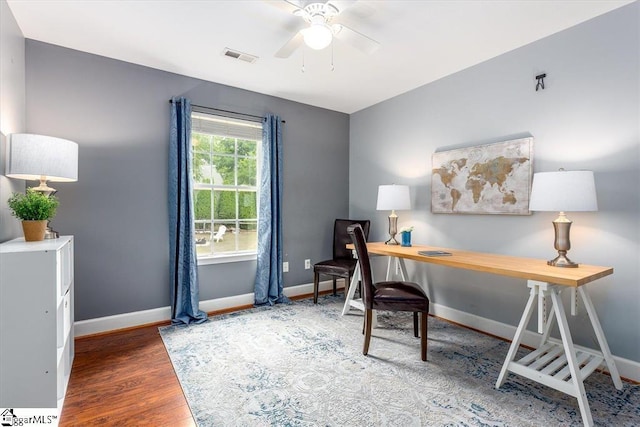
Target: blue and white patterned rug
x,y
301,364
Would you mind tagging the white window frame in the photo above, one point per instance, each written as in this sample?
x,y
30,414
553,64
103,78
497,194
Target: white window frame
x,y
226,257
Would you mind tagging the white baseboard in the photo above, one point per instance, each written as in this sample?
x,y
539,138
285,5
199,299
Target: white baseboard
x,y
145,317
627,368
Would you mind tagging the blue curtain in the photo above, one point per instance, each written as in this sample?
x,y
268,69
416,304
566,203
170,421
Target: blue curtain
x,y
268,286
182,258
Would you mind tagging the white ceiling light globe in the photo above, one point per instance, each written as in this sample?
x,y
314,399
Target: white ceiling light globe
x,y
318,36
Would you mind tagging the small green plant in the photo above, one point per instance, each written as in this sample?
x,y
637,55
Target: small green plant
x,y
33,206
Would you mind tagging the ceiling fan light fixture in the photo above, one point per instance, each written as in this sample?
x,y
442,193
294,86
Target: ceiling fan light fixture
x,y
318,36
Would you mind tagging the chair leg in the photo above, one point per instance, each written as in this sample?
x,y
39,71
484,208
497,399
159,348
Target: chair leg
x,y
367,335
316,284
423,335
334,286
415,324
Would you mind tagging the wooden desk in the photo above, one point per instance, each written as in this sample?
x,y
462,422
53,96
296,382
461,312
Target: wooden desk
x,y
556,364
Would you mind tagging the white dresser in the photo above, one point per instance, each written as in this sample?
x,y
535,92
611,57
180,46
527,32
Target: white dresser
x,y
36,322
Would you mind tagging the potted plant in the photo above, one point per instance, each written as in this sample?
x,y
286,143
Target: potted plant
x,y
35,209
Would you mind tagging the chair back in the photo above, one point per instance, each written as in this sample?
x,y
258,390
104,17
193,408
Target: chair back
x,y
341,236
358,238
220,233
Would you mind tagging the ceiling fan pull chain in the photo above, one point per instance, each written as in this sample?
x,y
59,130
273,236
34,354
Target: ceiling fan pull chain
x,y
302,69
332,67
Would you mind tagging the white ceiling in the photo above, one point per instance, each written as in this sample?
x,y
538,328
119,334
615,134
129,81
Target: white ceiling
x,y
420,41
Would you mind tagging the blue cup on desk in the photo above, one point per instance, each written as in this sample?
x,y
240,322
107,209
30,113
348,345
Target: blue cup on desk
x,y
406,238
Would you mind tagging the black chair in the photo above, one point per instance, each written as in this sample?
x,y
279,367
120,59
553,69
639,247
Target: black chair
x,y
390,296
342,264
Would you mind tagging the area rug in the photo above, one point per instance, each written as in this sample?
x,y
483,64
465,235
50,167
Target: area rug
x,y
301,364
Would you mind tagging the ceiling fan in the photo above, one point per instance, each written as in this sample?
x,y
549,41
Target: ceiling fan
x,y
320,31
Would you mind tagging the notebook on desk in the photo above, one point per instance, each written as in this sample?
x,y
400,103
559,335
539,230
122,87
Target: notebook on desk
x,y
434,253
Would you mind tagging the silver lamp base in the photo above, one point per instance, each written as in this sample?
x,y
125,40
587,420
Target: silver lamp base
x,y
561,227
393,229
392,241
47,191
562,261
51,234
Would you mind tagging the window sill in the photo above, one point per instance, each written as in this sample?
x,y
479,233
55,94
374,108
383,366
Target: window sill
x,y
223,259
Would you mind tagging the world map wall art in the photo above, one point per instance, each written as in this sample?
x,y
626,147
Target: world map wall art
x,y
485,179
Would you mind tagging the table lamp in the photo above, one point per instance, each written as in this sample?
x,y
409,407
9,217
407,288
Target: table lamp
x,y
392,197
563,191
43,158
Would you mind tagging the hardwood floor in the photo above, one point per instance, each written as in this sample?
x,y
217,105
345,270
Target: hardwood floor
x,y
124,379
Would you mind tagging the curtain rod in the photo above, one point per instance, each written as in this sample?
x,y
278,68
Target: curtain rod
x,y
226,111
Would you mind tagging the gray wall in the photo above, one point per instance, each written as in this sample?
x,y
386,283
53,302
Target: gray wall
x,y
586,118
12,111
118,113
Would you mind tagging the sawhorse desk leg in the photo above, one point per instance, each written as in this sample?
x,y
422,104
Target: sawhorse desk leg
x,y
356,303
559,365
349,301
399,267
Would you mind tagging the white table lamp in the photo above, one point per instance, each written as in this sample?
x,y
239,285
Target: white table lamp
x,y
392,197
43,158
563,191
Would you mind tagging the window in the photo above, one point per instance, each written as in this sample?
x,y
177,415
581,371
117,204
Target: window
x,y
226,174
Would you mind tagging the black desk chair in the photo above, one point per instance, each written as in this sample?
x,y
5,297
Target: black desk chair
x,y
342,264
390,296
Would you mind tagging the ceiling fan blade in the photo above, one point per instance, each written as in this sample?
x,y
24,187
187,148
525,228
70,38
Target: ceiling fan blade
x,y
298,4
290,46
288,6
291,7
341,4
355,39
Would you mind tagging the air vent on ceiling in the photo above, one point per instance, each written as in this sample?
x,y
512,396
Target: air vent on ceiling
x,y
234,54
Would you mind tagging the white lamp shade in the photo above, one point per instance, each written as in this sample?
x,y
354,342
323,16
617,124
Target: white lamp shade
x,y
393,197
31,157
563,191
317,36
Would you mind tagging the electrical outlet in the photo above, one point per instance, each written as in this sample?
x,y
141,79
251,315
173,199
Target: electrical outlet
x,y
307,264
285,267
